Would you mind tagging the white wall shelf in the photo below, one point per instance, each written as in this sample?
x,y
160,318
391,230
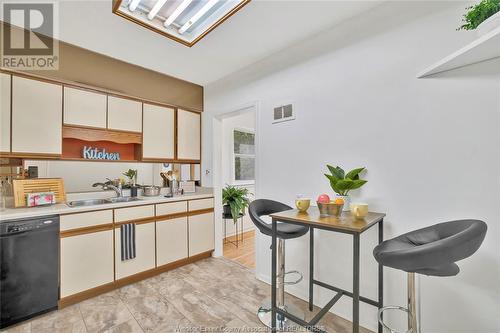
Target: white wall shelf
x,y
484,48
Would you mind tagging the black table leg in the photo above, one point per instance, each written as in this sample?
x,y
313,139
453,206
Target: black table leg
x,y
273,277
311,268
380,273
355,285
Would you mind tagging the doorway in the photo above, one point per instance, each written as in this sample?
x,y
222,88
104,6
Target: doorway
x,y
236,161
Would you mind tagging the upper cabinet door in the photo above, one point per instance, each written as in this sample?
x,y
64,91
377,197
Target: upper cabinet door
x,y
36,117
5,112
158,133
188,135
84,108
124,114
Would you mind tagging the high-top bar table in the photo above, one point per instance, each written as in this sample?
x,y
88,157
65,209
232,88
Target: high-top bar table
x,y
347,224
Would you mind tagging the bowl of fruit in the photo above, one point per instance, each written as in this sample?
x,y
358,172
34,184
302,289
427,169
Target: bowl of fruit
x,y
329,207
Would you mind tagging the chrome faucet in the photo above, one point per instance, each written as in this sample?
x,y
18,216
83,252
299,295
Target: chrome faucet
x,y
108,186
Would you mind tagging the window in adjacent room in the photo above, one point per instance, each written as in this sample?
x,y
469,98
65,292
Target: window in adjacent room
x,y
244,156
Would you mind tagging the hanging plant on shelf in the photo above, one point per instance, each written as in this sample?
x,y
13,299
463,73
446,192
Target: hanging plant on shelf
x,y
479,13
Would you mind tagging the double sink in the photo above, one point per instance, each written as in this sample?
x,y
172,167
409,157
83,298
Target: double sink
x,y
93,202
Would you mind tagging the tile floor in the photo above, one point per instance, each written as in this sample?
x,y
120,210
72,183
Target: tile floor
x,y
214,293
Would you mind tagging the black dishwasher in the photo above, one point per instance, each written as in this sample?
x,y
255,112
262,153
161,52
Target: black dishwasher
x,y
29,260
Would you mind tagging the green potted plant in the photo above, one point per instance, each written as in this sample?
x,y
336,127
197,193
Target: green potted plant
x,y
483,17
235,200
342,182
131,174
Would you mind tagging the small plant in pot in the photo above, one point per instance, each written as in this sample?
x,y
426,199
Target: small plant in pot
x,y
235,200
131,174
342,182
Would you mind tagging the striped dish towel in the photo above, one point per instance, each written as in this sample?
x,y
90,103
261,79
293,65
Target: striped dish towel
x,y
128,241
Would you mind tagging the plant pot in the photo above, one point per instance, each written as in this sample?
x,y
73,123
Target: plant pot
x,y
347,202
226,210
490,24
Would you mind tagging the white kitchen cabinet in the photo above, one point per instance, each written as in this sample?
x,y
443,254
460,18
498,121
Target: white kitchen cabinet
x,y
84,108
201,233
5,80
86,261
158,133
36,117
124,114
188,135
144,249
171,240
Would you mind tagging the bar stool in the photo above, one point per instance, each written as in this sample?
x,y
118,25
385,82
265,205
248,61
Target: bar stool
x,y
431,251
256,210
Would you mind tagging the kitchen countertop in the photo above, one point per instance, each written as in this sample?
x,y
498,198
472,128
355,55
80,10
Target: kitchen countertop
x,y
60,209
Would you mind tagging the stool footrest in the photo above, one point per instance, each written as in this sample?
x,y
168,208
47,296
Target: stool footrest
x,y
301,277
399,308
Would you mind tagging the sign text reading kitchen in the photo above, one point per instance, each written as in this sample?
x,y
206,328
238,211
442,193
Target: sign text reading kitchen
x,y
92,153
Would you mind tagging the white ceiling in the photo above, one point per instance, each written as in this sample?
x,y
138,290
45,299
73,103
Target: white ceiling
x,y
257,31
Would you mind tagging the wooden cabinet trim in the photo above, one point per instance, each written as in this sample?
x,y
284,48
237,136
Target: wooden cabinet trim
x,y
171,216
201,211
88,133
33,155
138,221
85,230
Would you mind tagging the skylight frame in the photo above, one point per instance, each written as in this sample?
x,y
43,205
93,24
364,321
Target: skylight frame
x,y
117,10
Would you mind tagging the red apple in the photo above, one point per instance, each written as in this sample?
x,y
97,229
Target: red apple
x,y
324,198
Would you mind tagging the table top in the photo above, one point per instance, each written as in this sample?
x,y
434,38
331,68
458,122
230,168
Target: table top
x,y
345,222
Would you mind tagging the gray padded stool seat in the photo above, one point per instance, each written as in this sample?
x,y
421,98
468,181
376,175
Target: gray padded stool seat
x,y
430,251
256,210
263,207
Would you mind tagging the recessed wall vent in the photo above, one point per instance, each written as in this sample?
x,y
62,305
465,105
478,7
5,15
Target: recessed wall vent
x,y
283,113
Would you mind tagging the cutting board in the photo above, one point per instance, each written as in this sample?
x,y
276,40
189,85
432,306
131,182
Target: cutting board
x,y
21,187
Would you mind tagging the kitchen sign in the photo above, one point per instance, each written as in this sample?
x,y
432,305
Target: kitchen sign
x,y
92,153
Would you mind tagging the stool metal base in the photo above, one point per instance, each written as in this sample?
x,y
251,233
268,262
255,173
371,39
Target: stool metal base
x,y
412,312
282,324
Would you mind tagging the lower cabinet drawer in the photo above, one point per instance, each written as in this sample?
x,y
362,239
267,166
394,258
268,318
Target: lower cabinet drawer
x,y
171,240
89,219
144,250
200,204
201,233
86,262
134,213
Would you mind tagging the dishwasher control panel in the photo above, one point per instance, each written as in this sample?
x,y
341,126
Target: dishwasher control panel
x,y
21,226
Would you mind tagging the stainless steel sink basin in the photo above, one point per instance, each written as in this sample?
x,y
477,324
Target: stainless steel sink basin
x,y
90,202
123,199
93,202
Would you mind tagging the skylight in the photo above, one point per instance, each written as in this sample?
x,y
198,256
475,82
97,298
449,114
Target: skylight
x,y
185,21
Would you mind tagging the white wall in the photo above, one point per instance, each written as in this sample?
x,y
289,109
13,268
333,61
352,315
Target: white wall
x,y
241,120
431,147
